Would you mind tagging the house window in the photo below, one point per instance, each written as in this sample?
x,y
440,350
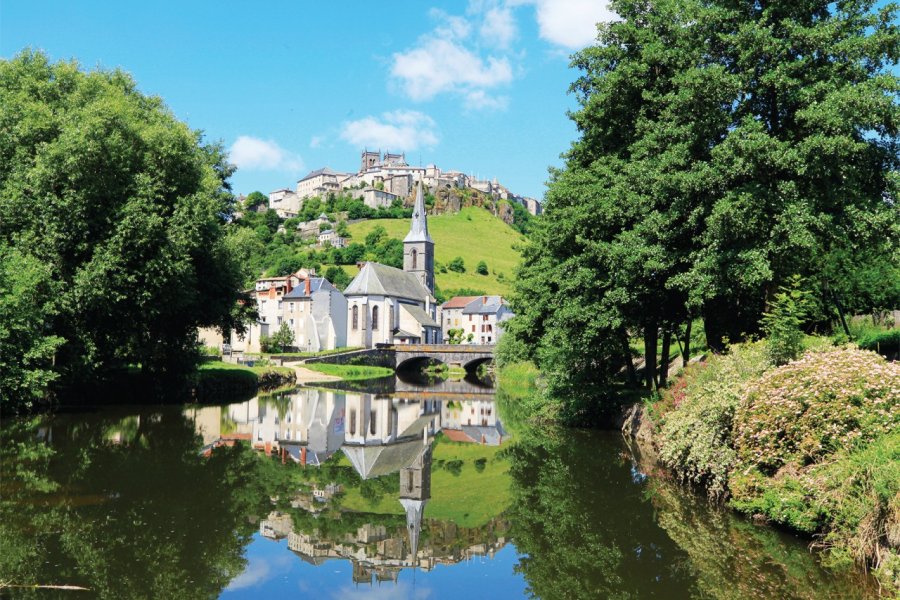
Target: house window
x,y
473,329
489,339
470,318
352,421
355,317
374,318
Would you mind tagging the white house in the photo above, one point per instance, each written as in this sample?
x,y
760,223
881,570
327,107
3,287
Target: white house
x,y
317,315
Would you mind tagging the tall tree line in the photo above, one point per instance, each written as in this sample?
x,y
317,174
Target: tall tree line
x,y
112,235
724,146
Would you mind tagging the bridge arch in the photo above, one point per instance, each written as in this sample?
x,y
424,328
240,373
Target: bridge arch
x,y
415,362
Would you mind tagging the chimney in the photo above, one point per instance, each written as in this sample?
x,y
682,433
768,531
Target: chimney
x,y
484,300
307,286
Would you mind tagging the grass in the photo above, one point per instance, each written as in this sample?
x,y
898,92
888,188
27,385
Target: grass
x,y
469,499
218,366
473,234
350,372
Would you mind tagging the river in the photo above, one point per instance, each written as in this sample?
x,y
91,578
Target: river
x,y
392,489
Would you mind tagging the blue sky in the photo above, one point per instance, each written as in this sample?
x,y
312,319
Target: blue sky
x,y
292,86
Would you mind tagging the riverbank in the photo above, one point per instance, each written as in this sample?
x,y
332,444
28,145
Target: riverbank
x,y
217,379
348,372
812,446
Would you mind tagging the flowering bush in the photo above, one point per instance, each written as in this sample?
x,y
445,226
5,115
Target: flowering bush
x,y
696,438
808,409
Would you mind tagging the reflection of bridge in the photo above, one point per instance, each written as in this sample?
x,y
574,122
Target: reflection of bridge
x,y
447,390
454,355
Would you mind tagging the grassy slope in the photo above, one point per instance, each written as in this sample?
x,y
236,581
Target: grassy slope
x,y
469,499
350,372
473,233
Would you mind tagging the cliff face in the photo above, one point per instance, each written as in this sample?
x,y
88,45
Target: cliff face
x,y
452,200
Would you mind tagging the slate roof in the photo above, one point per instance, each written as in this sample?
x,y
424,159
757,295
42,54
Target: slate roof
x,y
422,317
381,280
317,172
418,231
375,461
315,284
479,306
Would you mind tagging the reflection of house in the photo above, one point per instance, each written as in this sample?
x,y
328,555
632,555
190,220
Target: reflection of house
x,y
472,421
276,526
383,435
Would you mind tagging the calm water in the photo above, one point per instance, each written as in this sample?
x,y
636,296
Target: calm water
x,y
419,492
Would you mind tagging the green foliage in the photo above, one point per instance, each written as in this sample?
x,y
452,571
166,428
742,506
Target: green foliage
x,y
783,322
697,186
125,207
697,416
455,336
810,408
481,268
338,277
279,341
457,265
27,347
255,199
886,343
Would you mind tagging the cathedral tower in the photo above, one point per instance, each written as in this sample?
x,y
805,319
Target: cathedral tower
x,y
418,247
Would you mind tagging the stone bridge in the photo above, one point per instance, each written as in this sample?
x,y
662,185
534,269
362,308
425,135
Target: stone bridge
x,y
454,355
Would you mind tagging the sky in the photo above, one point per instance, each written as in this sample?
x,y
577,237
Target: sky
x,y
288,87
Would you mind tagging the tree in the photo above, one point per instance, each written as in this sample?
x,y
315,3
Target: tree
x,y
455,336
281,340
255,199
125,208
717,156
457,265
338,277
376,236
481,268
26,348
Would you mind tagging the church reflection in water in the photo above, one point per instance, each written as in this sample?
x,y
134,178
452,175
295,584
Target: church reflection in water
x,y
380,435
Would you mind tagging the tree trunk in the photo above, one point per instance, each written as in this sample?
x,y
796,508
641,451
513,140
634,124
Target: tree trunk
x,y
650,336
664,359
686,351
840,311
629,364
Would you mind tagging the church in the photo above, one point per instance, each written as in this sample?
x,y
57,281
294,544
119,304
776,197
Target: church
x,y
386,305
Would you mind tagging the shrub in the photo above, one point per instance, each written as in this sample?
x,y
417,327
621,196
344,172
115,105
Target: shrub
x,y
782,323
457,265
802,411
696,437
481,268
886,343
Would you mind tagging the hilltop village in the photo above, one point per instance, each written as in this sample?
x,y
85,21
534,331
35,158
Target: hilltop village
x,y
384,179
381,305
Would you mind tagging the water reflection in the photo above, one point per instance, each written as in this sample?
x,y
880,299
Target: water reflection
x,y
420,489
387,441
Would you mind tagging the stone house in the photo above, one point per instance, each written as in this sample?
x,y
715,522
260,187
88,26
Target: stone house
x,y
319,183
483,319
316,312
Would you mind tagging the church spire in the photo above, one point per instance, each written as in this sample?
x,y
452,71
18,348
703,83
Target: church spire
x,y
418,247
418,231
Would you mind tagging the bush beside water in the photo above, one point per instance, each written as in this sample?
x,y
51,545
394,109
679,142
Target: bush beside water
x,y
812,445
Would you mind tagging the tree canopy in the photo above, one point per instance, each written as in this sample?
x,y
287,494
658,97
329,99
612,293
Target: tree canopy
x,y
116,210
723,148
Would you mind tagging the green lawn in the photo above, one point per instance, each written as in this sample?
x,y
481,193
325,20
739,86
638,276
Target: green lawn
x,y
473,233
216,365
469,499
350,372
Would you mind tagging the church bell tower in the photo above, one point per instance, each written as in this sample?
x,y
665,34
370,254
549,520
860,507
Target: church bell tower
x,y
418,247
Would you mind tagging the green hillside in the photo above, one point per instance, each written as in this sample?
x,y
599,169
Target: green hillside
x,y
473,234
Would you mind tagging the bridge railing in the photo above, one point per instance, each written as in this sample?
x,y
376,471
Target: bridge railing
x,y
441,348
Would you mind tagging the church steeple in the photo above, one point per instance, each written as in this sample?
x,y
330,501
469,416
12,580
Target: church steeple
x,y
418,247
415,491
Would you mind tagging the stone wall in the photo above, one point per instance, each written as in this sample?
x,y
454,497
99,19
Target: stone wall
x,y
374,357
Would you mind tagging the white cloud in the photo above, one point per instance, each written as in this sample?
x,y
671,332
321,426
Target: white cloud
x,y
263,155
479,100
441,65
316,141
498,26
400,130
570,23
